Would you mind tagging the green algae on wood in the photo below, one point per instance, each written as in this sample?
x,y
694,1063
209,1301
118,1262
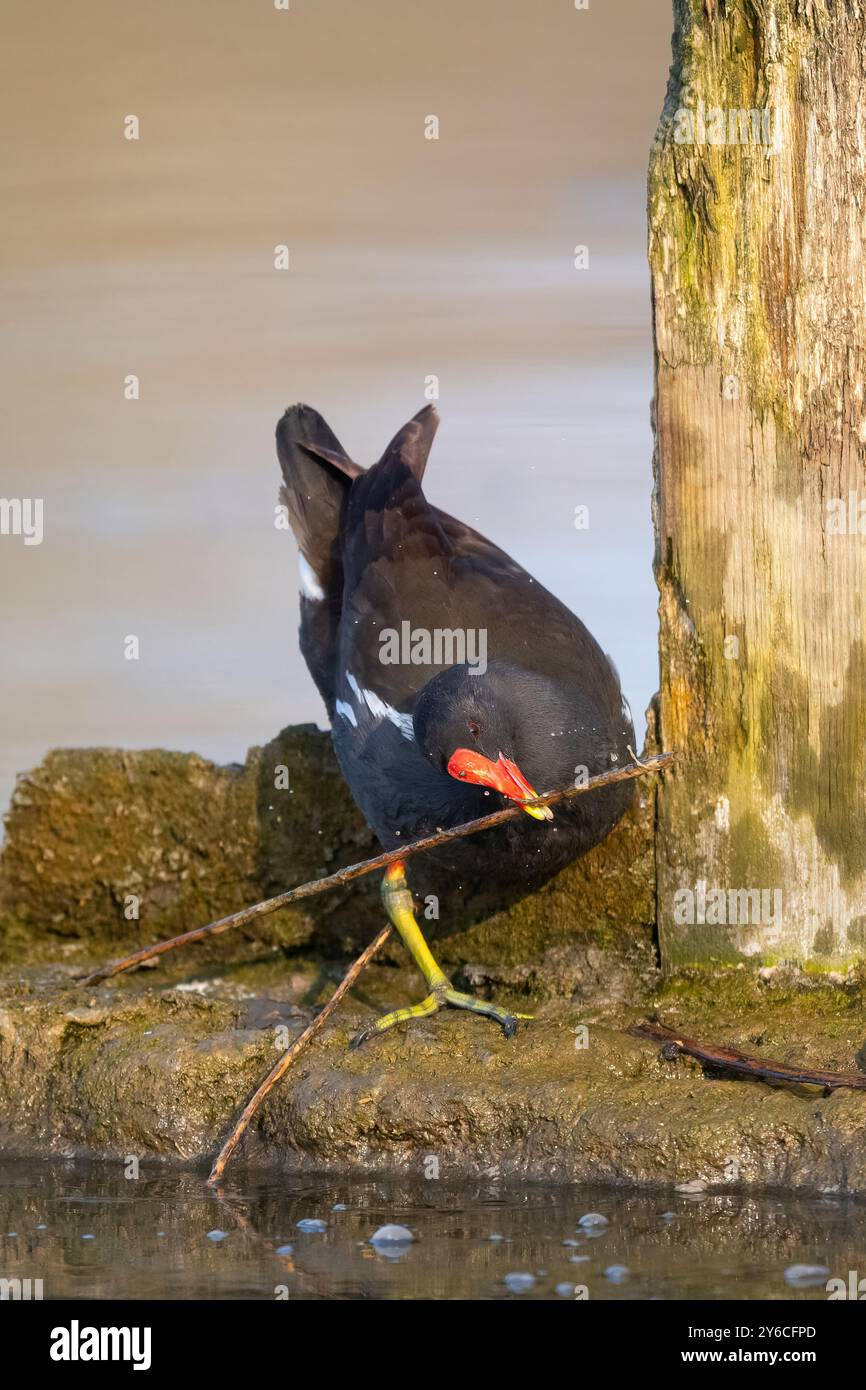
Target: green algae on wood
x,y
757,247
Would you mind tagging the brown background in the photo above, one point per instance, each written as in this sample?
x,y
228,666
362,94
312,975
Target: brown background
x,y
409,257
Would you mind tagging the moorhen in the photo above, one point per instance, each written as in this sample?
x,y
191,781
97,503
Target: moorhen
x,y
453,680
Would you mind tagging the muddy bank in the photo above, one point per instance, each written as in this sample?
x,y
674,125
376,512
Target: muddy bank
x,y
157,1064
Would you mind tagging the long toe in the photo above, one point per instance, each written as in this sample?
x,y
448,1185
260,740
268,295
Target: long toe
x,y
507,1021
381,1025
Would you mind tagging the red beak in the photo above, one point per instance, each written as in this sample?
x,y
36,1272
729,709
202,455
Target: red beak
x,y
503,775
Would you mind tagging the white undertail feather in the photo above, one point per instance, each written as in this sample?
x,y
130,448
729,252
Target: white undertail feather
x,y
310,586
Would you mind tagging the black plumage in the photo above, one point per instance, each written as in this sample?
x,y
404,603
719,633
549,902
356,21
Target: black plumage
x,y
381,556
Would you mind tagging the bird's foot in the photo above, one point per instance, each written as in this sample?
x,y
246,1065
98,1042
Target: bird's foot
x,y
437,999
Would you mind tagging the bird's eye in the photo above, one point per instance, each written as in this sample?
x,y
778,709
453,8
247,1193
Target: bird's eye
x,y
473,728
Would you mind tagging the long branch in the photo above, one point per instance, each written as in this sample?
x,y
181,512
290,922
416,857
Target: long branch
x,y
368,866
726,1059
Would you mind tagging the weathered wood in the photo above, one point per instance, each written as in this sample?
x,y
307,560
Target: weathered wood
x,y
757,231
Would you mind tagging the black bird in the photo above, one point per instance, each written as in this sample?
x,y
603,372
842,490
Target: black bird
x,y
452,678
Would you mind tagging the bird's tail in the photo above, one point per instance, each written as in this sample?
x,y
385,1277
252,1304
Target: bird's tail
x,y
316,475
317,479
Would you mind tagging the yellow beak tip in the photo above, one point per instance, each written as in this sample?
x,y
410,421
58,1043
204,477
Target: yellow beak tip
x,y
539,812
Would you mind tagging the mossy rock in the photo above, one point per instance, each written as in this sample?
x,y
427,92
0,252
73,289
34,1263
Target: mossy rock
x,y
95,836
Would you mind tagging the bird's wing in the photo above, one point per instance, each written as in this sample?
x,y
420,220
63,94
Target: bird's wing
x,y
405,561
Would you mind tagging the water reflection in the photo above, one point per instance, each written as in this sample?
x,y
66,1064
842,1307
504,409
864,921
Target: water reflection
x,y
88,1232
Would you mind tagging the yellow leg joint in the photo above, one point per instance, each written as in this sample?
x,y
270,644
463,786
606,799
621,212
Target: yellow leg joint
x,y
398,903
400,908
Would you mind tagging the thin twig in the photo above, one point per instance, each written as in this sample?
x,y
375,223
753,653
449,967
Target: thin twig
x,y
726,1059
381,861
289,1056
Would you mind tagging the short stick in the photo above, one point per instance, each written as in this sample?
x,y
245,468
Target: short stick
x,y
741,1064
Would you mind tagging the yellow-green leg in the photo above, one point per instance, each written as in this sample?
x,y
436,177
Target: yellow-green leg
x,y
398,904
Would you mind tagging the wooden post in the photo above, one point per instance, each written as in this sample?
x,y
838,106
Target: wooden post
x,y
757,246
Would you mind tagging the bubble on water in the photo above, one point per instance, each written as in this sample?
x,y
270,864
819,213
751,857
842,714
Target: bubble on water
x,y
284,1250
667,1216
392,1235
496,1237
88,1237
617,1274
339,1206
216,1234
565,1290
593,1220
519,1283
806,1276
579,1259
571,1241
312,1225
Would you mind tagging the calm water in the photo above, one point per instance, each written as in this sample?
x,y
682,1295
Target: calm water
x,y
88,1232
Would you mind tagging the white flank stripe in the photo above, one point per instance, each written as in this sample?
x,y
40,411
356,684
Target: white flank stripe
x,y
380,709
347,712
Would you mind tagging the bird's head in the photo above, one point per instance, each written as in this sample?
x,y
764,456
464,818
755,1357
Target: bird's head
x,y
478,728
